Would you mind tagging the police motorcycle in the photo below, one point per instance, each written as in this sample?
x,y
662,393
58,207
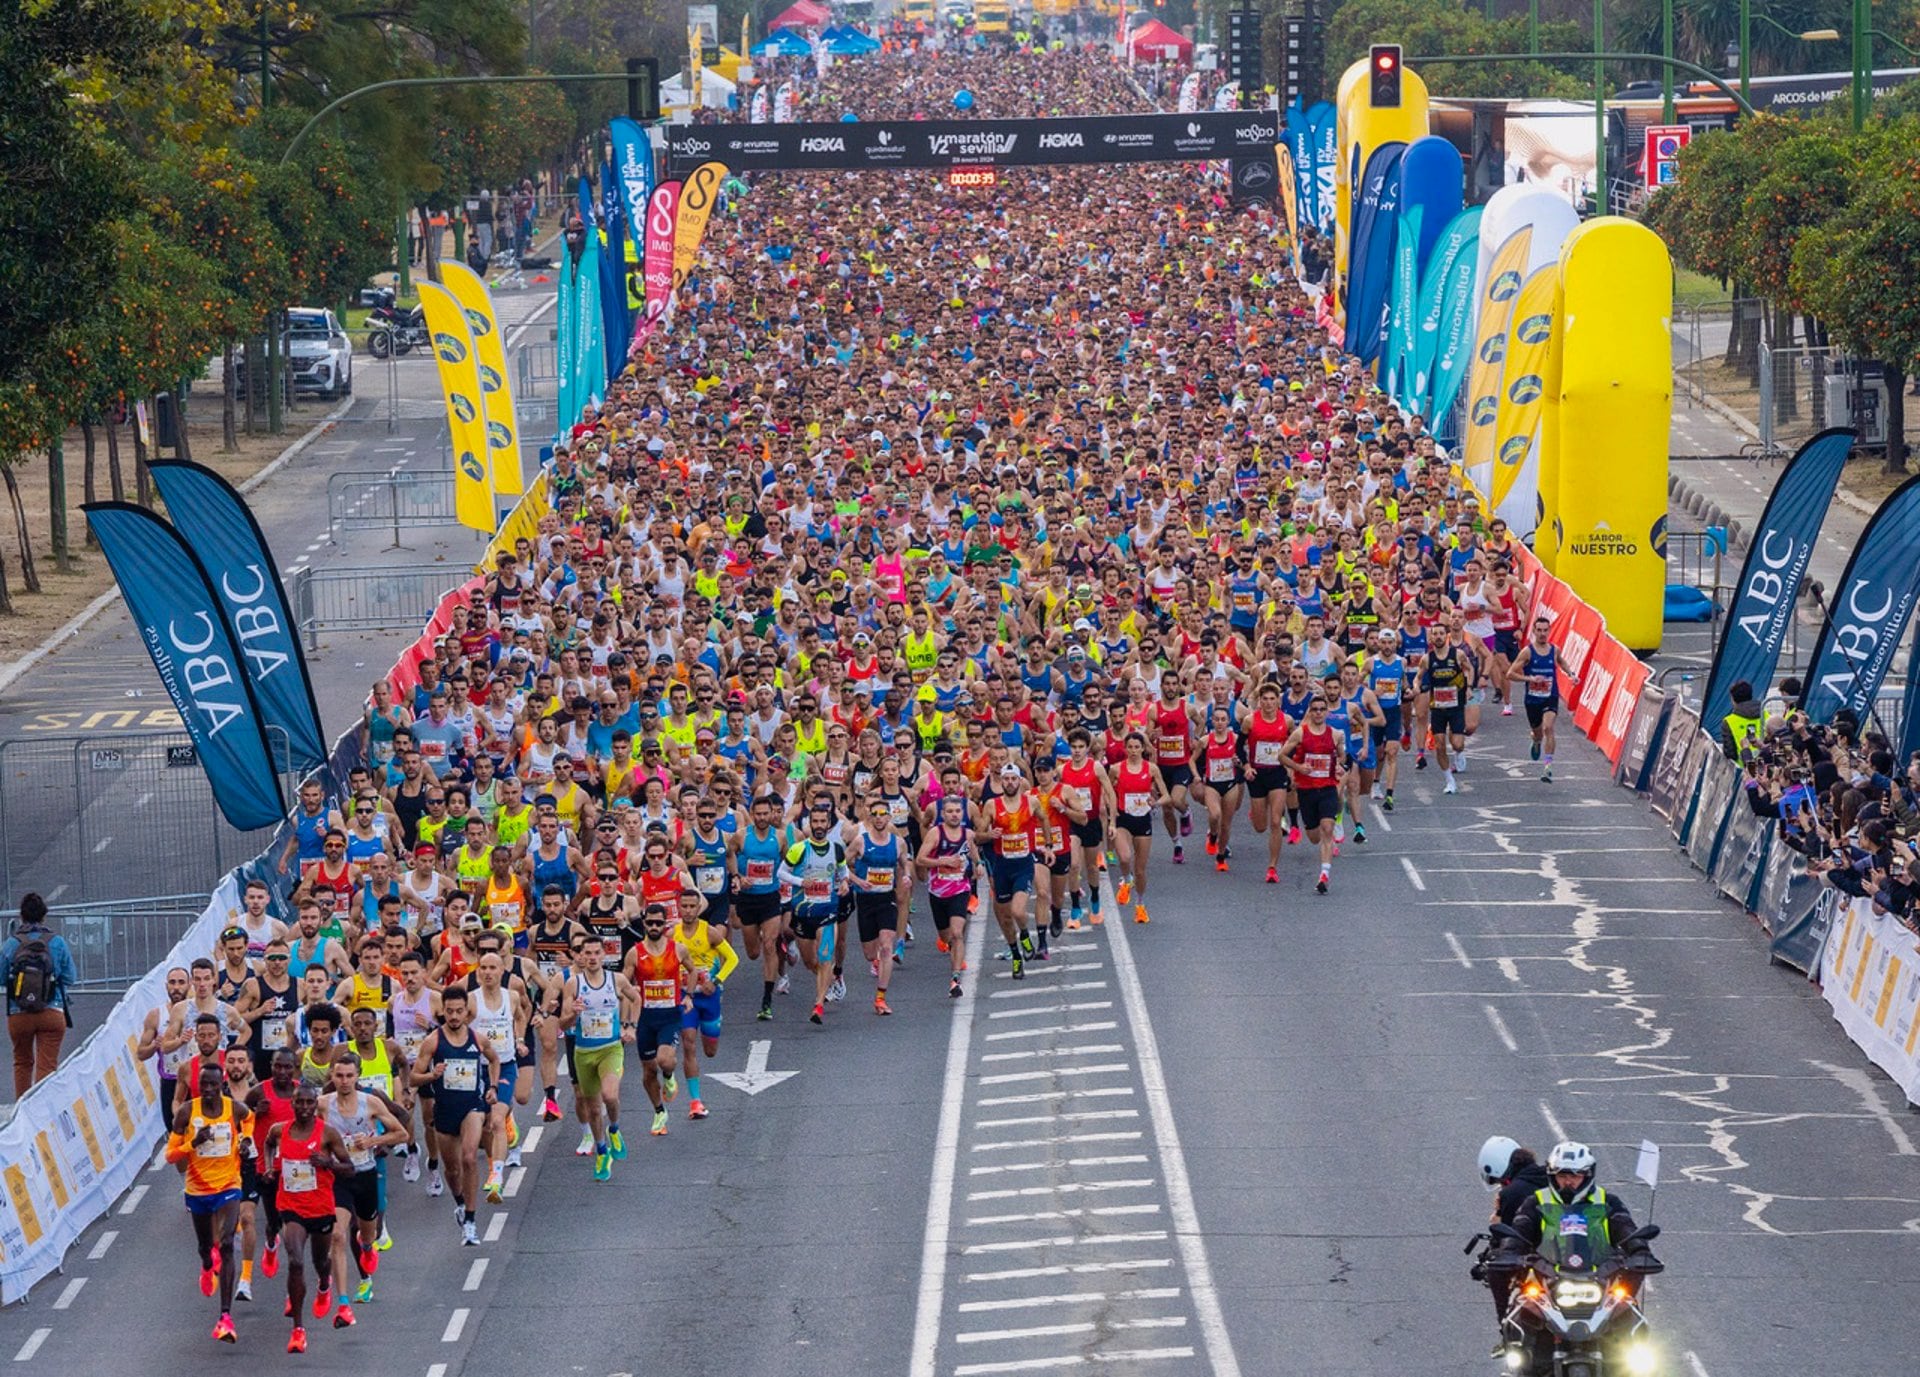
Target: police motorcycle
x,y
1581,1316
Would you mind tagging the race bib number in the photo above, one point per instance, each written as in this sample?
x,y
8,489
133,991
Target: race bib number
x,y
1266,753
597,1024
298,1176
1387,691
881,877
1539,686
219,1141
505,915
362,1159
1138,805
1446,697
710,879
462,1076
659,994
1173,748
1219,769
759,872
897,809
816,891
1317,764
1077,798
549,969
273,1032
1014,845
501,1040
410,1044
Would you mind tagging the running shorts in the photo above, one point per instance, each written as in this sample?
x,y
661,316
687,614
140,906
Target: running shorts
x,y
1318,806
592,1065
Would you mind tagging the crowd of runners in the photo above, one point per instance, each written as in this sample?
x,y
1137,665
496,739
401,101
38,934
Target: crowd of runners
x,y
950,549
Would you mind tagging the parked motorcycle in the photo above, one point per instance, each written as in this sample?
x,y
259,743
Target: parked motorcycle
x,y
1571,1317
391,331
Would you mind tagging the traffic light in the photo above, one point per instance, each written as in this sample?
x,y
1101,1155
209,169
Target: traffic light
x,y
1383,76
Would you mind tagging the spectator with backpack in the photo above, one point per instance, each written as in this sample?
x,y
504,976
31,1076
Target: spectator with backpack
x,y
37,970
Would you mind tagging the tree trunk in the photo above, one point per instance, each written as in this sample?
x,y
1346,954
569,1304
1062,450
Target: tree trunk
x,y
229,435
6,592
116,483
253,380
182,442
1896,420
87,491
141,494
57,506
29,575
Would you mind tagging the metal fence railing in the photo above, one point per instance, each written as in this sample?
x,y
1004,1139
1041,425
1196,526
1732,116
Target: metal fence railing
x,y
116,943
114,817
364,599
379,499
1793,392
1699,559
537,370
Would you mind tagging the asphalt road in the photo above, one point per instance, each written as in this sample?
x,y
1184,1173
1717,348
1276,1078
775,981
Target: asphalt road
x,y
87,813
1239,1139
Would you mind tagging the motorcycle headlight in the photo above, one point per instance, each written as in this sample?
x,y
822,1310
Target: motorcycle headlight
x,y
1641,1359
1574,1294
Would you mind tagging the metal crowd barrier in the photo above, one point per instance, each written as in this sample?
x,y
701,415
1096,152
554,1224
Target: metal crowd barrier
x,y
364,599
115,943
376,499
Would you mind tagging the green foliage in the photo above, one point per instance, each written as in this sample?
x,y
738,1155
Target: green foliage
x,y
1448,28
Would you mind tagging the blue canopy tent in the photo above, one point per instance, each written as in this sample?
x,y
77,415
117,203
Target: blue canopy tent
x,y
782,43
843,41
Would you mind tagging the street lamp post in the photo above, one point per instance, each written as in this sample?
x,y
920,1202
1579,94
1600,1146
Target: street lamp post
x,y
1746,37
1666,51
1600,103
1862,62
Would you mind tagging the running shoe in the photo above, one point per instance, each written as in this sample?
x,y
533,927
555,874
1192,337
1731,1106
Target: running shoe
x,y
223,1330
343,1317
1506,709
1293,835
1546,775
1019,968
1339,831
766,1014
209,1280
1220,867
900,951
243,1290
1058,925
1073,920
410,1172
384,1243
288,1311
602,1167
270,1259
513,1131
1387,802
1179,854
697,1109
1533,750
549,1109
323,1301
469,1235
940,945
1139,913
1213,846
906,932
1420,761
1040,953
495,1184
659,1123
879,1007
513,1158
873,969
297,1341
1320,887
1026,944
369,1261
1359,834
1123,893
819,1014
585,1149
669,1088
616,1144
1186,824
784,985
364,1292
836,991
1273,876
953,987
1451,788
436,1182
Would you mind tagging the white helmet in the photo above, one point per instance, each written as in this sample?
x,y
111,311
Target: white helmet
x,y
1573,1157
1496,1155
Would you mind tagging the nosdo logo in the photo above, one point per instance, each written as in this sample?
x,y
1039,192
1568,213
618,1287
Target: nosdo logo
x,y
1484,410
478,323
1515,449
450,349
1493,349
1534,329
472,467
489,379
461,407
1504,286
498,436
1525,389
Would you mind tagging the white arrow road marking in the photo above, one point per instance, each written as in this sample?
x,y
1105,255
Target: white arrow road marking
x,y
756,1077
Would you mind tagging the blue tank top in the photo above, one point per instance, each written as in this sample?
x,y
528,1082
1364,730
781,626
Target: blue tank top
x,y
558,871
760,856
1542,683
1039,682
464,1079
360,850
1075,689
312,834
876,855
1359,743
1295,709
1385,678
709,866
1413,641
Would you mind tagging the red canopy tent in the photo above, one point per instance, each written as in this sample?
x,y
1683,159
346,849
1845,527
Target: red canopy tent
x,y
1154,40
802,14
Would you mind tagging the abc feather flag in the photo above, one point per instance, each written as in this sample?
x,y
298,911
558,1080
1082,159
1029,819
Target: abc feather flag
x,y
466,414
1523,382
1489,352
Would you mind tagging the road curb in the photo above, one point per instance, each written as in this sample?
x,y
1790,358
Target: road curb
x,y
78,623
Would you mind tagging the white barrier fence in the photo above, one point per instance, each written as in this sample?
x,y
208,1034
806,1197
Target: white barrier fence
x,y
80,1137
1870,974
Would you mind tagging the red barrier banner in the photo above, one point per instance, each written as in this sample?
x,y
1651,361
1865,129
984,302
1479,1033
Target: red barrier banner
x,y
1596,684
1629,675
1576,635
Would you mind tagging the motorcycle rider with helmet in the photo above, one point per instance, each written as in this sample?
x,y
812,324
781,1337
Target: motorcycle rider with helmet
x,y
1515,1174
1571,1220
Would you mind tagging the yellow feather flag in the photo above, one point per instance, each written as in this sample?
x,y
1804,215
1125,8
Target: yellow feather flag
x,y
1504,275
466,418
1523,384
496,390
697,196
1290,200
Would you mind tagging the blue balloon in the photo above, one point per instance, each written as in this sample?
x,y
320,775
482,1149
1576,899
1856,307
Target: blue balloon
x,y
849,118
963,100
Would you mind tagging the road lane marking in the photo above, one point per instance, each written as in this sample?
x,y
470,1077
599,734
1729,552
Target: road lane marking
x,y
496,1226
1059,1269
456,1322
105,1242
531,1138
1070,1298
1052,1009
1118,1355
1066,1241
1048,968
1500,1028
1004,1167
32,1345
1508,967
474,1274
134,1197
946,1161
1069,1188
102,845
1094,1049
514,1178
1186,1217
1553,1122
1058,1138
988,1221
1861,1084
1042,994
1078,1115
1014,1077
69,1293
1413,875
1053,1030
1699,1368
1095,1093
1459,952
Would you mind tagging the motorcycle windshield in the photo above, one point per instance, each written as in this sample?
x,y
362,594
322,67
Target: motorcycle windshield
x,y
1573,1250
